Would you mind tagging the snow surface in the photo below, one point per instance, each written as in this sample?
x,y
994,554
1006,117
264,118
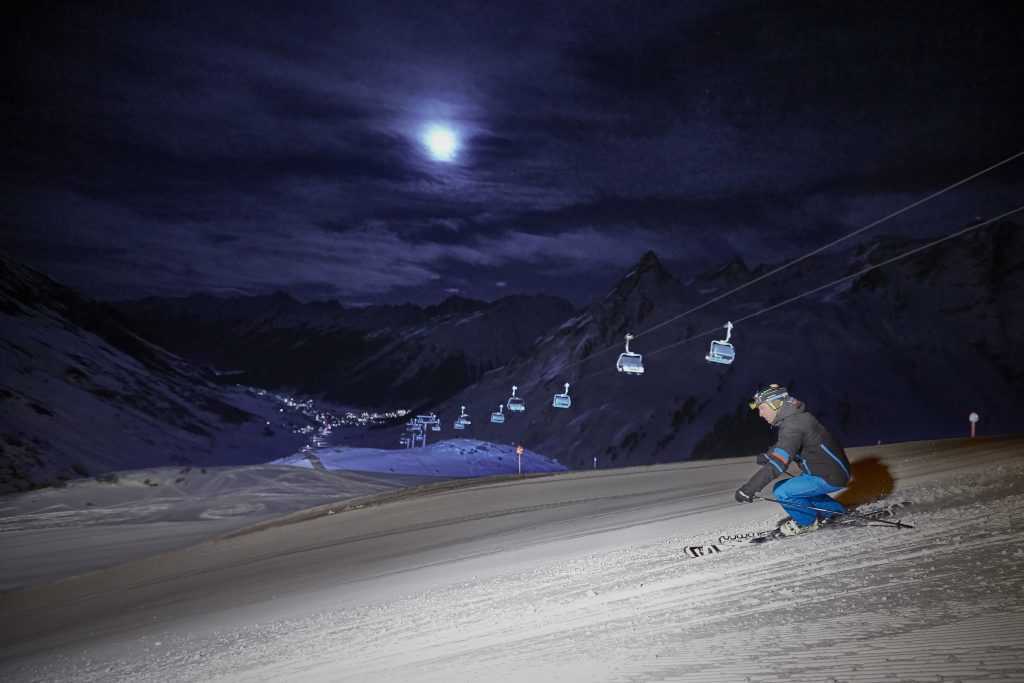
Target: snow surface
x,y
56,533
573,577
76,405
449,458
100,522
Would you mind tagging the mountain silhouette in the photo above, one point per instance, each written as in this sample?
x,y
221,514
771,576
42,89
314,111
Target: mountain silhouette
x,y
82,395
374,356
900,353
897,353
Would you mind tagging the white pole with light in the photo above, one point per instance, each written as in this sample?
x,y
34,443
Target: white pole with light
x,y
973,419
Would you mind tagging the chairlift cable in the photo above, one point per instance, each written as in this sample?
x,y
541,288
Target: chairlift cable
x,y
790,300
759,278
775,271
717,330
833,243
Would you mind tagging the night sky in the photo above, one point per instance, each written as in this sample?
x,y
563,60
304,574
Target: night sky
x,y
243,148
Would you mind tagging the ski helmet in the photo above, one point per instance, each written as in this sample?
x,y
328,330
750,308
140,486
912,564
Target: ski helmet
x,y
769,394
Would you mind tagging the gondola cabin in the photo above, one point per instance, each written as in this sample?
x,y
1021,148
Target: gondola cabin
x,y
629,362
562,400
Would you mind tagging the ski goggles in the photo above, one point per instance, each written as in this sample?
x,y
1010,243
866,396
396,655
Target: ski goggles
x,y
767,398
754,404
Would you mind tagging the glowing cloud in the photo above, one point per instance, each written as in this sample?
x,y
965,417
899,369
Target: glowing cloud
x,y
442,142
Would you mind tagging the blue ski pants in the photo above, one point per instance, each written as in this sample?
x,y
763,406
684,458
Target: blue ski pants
x,y
807,489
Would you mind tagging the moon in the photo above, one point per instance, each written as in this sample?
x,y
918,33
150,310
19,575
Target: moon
x,y
442,142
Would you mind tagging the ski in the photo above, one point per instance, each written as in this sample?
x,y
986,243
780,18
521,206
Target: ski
x,y
720,547
702,550
758,537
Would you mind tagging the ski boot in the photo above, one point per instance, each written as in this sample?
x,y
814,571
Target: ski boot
x,y
791,528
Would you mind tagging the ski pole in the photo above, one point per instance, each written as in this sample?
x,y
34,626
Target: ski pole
x,y
899,525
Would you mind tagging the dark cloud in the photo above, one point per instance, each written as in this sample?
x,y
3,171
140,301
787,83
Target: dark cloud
x,y
288,101
237,147
494,153
841,87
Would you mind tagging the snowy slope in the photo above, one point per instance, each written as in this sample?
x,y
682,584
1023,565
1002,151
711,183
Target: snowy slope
x,y
81,396
88,524
452,458
574,577
60,532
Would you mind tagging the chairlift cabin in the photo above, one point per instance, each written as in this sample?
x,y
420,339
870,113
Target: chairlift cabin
x,y
562,400
516,404
722,351
462,420
629,362
499,416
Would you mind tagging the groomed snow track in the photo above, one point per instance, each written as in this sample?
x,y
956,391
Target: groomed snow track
x,y
574,577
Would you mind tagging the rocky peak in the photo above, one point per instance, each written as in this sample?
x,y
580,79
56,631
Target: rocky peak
x,y
455,305
638,296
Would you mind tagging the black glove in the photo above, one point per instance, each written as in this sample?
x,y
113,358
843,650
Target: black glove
x,y
744,497
762,458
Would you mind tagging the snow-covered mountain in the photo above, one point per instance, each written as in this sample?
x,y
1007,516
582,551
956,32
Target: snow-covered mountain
x,y
906,351
375,356
81,396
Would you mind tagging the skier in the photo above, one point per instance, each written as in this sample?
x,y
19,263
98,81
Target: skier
x,y
802,439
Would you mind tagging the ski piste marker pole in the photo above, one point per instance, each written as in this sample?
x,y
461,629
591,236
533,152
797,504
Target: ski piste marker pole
x,y
899,525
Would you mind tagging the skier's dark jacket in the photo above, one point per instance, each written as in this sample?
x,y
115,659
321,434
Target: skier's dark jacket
x,y
802,439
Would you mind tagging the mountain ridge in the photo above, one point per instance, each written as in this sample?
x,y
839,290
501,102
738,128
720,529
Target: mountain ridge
x,y
932,334
82,396
371,356
896,353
